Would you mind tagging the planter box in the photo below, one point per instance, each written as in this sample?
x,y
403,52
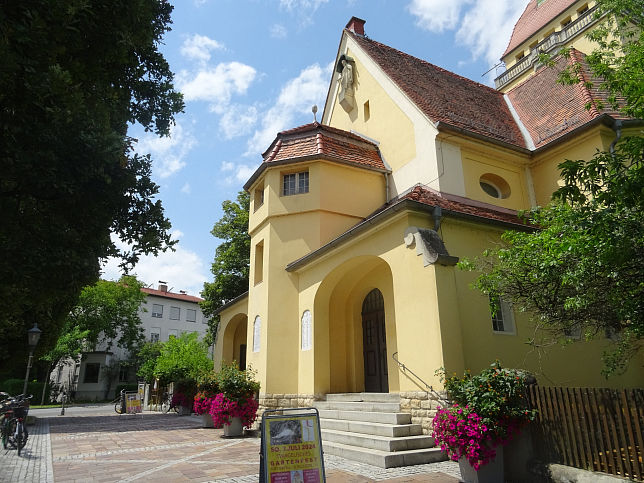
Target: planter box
x,y
234,429
490,473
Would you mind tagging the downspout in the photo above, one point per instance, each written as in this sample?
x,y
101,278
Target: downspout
x,y
617,127
386,175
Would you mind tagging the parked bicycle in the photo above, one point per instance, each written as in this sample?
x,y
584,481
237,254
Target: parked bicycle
x,y
119,403
14,412
166,403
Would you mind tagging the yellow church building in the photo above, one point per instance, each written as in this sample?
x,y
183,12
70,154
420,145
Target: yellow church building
x,y
357,223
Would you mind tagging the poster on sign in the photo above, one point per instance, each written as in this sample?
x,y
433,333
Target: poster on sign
x,y
292,448
132,403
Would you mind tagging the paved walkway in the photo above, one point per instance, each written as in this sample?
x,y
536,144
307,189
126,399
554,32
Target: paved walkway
x,y
95,446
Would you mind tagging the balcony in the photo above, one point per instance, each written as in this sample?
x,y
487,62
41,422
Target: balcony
x,y
549,45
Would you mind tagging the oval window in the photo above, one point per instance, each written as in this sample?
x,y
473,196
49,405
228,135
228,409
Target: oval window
x,y
494,186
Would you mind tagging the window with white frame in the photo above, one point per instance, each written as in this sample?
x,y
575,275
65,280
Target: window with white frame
x,y
295,183
155,334
157,310
172,333
175,313
502,316
257,333
306,330
191,315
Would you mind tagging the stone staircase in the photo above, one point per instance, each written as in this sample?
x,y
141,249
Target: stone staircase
x,y
369,428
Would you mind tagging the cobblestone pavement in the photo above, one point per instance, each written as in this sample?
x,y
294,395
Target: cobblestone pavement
x,y
166,448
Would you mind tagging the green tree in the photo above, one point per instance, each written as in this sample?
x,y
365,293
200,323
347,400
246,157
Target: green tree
x,y
106,315
232,259
182,358
147,360
74,76
582,272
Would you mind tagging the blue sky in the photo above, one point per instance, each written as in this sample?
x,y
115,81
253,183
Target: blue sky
x,y
251,68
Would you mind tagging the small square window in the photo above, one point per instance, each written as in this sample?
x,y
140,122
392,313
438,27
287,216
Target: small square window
x,y
295,183
157,310
172,333
175,313
92,370
155,334
191,315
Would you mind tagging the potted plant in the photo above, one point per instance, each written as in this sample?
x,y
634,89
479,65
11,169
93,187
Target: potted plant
x,y
487,411
235,406
207,389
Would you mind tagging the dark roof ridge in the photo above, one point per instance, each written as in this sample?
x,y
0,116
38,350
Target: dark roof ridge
x,y
454,74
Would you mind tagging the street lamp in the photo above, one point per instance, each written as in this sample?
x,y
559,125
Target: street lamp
x,y
33,336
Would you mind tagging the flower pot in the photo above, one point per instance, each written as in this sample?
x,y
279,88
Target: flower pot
x,y
184,410
489,473
234,429
206,421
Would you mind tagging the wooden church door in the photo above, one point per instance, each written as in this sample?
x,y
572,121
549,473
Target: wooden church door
x,y
374,343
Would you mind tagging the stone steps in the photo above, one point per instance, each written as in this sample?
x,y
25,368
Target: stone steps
x,y
369,428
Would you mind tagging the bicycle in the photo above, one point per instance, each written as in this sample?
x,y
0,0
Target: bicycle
x,y
119,403
166,403
14,427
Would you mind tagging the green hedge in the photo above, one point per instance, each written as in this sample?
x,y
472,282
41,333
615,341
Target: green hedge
x,y
14,387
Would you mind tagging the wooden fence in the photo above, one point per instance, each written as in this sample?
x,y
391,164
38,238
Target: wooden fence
x,y
592,429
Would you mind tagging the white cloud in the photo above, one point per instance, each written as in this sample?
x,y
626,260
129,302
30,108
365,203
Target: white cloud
x,y
472,21
182,269
168,153
296,97
238,120
240,172
304,10
227,166
186,189
198,47
218,84
278,31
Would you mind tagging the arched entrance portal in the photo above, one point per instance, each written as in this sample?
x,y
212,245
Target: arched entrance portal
x,y
374,343
234,341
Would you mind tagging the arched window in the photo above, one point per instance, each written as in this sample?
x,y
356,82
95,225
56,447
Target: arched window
x,y
257,333
306,331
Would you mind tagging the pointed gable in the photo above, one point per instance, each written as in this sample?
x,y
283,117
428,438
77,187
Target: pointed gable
x,y
445,97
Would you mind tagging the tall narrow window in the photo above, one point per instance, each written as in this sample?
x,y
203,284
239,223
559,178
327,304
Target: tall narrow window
x,y
257,333
259,262
175,313
502,316
191,315
258,198
295,183
306,331
367,111
92,370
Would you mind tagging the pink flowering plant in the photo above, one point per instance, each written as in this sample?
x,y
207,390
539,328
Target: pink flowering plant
x,y
207,389
490,408
180,399
237,396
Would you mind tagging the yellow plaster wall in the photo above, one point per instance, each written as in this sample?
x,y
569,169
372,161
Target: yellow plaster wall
x,y
545,171
387,122
576,365
476,164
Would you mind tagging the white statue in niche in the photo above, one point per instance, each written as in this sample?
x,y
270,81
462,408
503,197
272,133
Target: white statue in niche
x,y
345,80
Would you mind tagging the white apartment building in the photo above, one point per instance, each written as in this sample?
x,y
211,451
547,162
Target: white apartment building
x,y
164,314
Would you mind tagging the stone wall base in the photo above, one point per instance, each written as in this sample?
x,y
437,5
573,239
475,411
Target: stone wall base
x,y
422,406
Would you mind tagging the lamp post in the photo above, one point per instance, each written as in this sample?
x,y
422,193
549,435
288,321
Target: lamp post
x,y
33,335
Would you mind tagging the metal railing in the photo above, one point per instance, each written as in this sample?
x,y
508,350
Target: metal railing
x,y
547,45
407,371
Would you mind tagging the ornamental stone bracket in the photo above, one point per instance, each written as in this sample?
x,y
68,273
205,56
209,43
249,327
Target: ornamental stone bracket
x,y
346,97
429,245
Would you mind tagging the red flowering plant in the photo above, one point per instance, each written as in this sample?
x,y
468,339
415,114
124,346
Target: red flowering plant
x,y
237,397
490,408
183,393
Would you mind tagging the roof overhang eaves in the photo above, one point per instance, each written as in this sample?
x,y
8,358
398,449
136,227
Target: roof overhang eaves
x,y
239,298
303,159
405,204
443,126
605,119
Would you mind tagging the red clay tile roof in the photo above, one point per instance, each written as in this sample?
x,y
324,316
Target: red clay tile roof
x,y
444,96
533,18
550,110
316,139
462,205
171,295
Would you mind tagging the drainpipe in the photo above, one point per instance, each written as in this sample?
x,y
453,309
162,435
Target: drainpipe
x,y
438,215
386,175
617,127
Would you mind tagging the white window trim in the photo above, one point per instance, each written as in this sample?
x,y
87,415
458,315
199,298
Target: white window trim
x,y
297,183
